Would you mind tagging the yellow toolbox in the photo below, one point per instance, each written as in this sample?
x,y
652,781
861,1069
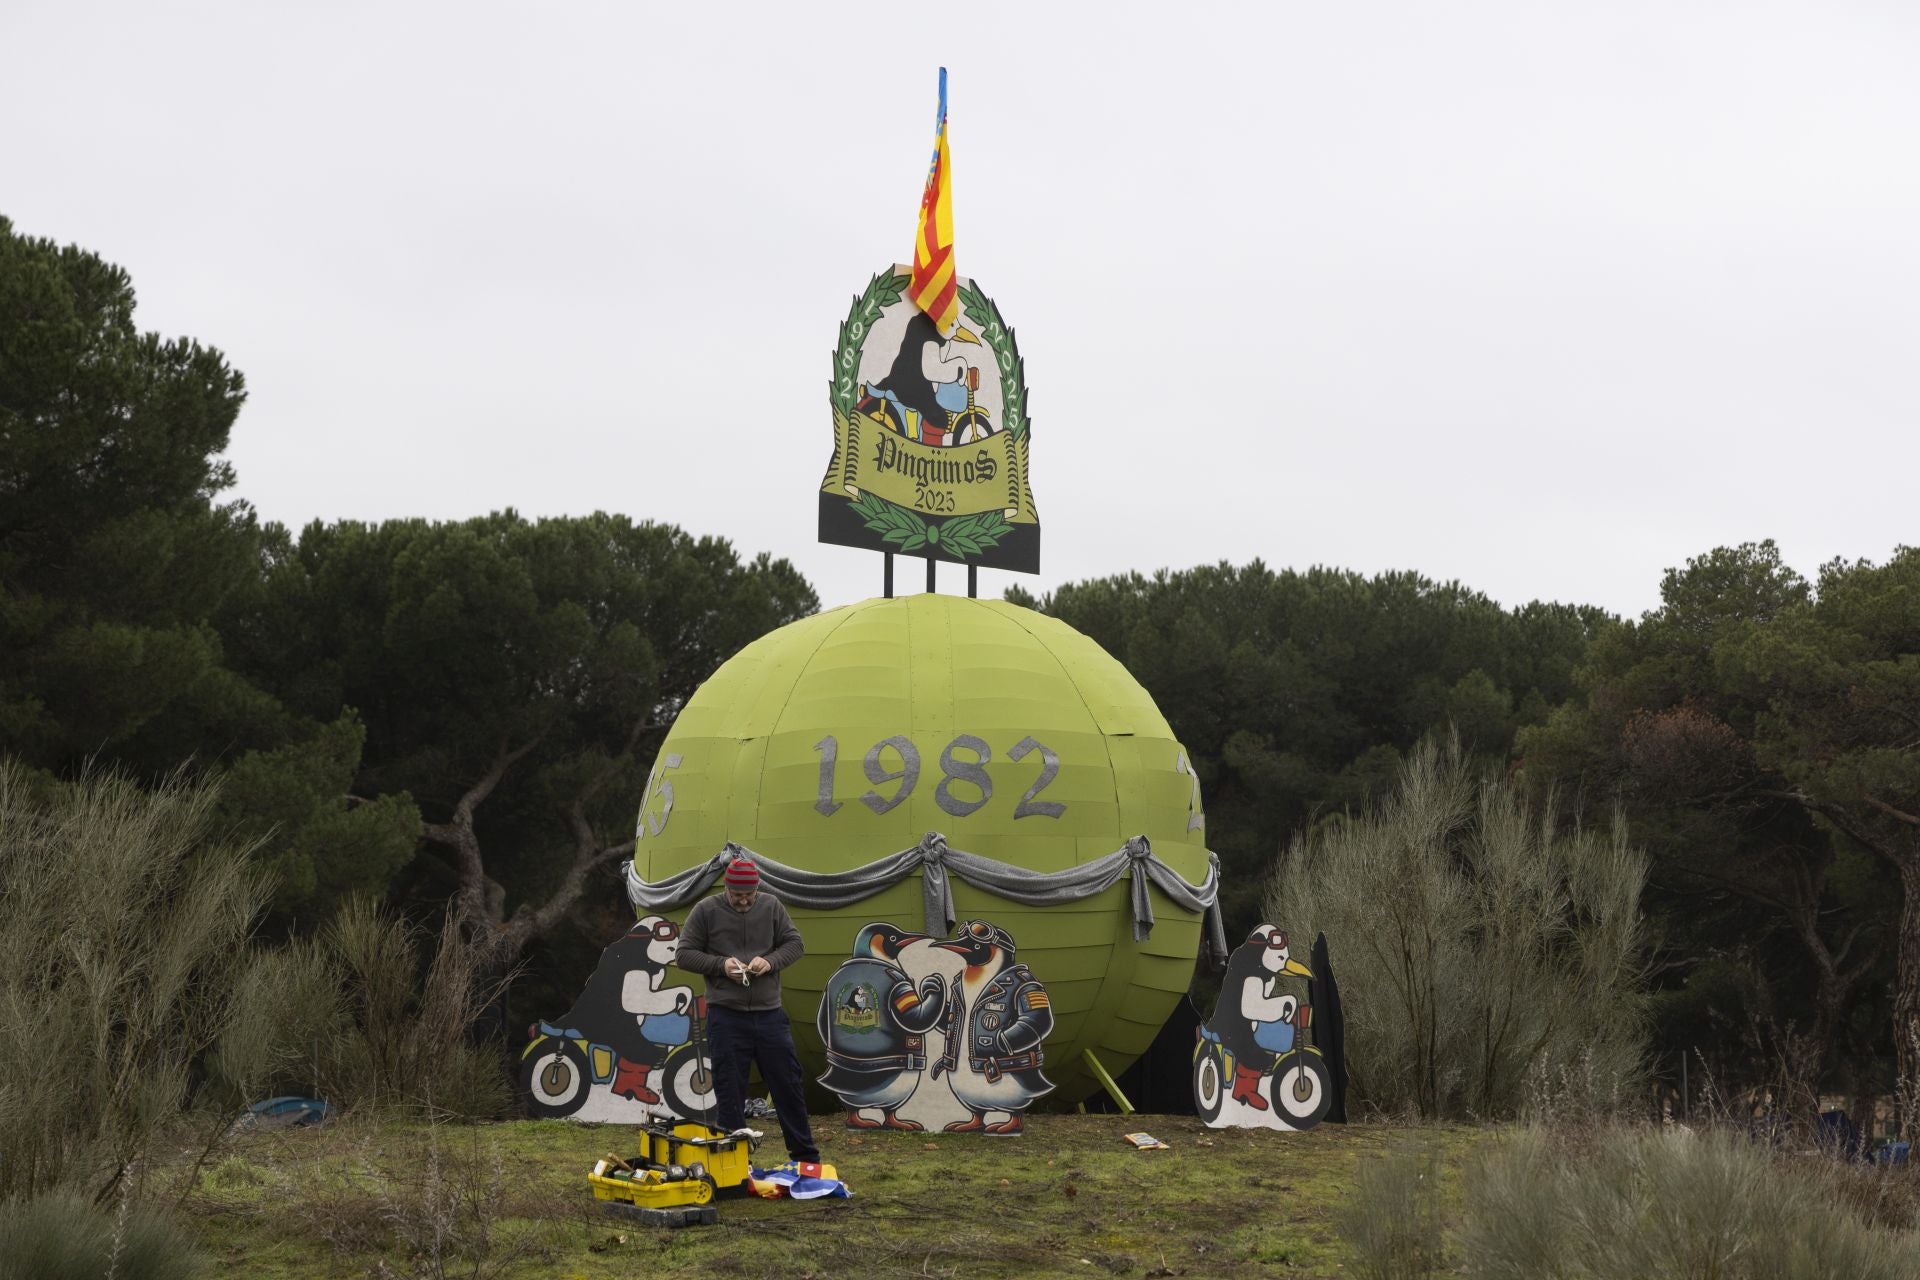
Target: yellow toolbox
x,y
678,1170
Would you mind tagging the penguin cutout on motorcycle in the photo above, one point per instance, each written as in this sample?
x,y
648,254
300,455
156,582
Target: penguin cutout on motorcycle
x,y
629,1051
1255,1064
927,1033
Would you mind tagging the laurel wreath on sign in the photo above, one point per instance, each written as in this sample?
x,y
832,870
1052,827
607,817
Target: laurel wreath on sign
x,y
882,291
905,530
998,339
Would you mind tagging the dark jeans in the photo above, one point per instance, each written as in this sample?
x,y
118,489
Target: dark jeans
x,y
738,1041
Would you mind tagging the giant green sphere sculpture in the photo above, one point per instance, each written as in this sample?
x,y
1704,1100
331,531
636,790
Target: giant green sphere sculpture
x,y
849,735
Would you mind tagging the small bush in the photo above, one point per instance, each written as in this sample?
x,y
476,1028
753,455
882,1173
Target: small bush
x,y
289,1008
1516,1229
1626,1205
365,1018
413,1021
61,1236
124,924
1489,961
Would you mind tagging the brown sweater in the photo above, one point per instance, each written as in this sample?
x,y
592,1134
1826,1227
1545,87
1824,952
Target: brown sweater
x,y
714,932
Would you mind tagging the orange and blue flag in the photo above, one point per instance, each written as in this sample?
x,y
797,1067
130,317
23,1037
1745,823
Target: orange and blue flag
x,y
935,288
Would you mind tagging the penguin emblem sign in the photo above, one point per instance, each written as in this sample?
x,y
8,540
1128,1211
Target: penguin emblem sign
x,y
855,1008
930,433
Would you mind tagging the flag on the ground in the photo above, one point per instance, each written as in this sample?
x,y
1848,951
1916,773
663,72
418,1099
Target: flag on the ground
x,y
935,288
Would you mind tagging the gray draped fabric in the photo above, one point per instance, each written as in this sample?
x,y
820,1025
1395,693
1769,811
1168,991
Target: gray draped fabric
x,y
823,891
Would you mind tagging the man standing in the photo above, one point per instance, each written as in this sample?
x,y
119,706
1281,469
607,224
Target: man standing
x,y
739,943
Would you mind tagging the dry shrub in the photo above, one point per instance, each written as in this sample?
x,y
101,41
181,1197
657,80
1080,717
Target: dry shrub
x,y
289,1005
1878,1195
62,1236
123,928
412,1017
1625,1204
1393,1220
366,1017
130,992
1488,960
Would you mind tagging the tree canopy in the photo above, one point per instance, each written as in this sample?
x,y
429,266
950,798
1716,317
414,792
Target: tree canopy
x,y
1775,935
512,676
1840,679
1297,692
118,563
114,552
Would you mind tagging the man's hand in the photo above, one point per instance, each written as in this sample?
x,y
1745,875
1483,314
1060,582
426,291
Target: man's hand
x,y
758,965
736,969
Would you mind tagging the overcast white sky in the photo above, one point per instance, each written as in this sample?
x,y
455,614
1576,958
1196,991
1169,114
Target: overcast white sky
x,y
1542,296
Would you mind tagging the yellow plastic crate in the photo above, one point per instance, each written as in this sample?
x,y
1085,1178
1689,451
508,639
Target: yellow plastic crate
x,y
647,1187
726,1159
684,1165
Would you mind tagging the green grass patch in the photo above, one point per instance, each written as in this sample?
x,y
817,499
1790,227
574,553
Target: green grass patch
x,y
1072,1198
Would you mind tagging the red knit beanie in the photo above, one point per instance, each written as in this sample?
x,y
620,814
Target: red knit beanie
x,y
742,874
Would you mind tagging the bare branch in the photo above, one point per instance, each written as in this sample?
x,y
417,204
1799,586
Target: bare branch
x,y
480,897
529,922
1892,812
441,833
589,855
503,760
1868,960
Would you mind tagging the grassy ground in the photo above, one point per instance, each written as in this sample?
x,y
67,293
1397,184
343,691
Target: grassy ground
x,y
1072,1198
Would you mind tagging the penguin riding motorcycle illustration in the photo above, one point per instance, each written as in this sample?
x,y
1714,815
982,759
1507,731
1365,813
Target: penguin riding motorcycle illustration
x,y
996,1017
928,392
874,1019
1257,1037
625,1024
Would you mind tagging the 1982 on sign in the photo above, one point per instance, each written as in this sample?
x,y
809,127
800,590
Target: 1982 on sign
x,y
894,763
965,786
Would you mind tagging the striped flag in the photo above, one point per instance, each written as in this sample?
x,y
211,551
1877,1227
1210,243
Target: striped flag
x,y
935,287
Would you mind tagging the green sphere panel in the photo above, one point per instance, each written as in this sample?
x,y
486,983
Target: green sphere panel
x,y
747,761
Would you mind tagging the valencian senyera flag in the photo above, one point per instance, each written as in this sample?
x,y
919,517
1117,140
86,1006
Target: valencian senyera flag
x,y
929,394
935,287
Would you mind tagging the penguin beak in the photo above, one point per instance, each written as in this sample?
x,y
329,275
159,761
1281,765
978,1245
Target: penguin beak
x,y
1295,968
963,334
959,947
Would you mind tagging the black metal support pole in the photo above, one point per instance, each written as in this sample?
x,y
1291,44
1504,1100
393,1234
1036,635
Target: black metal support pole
x,y
886,578
973,582
929,575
